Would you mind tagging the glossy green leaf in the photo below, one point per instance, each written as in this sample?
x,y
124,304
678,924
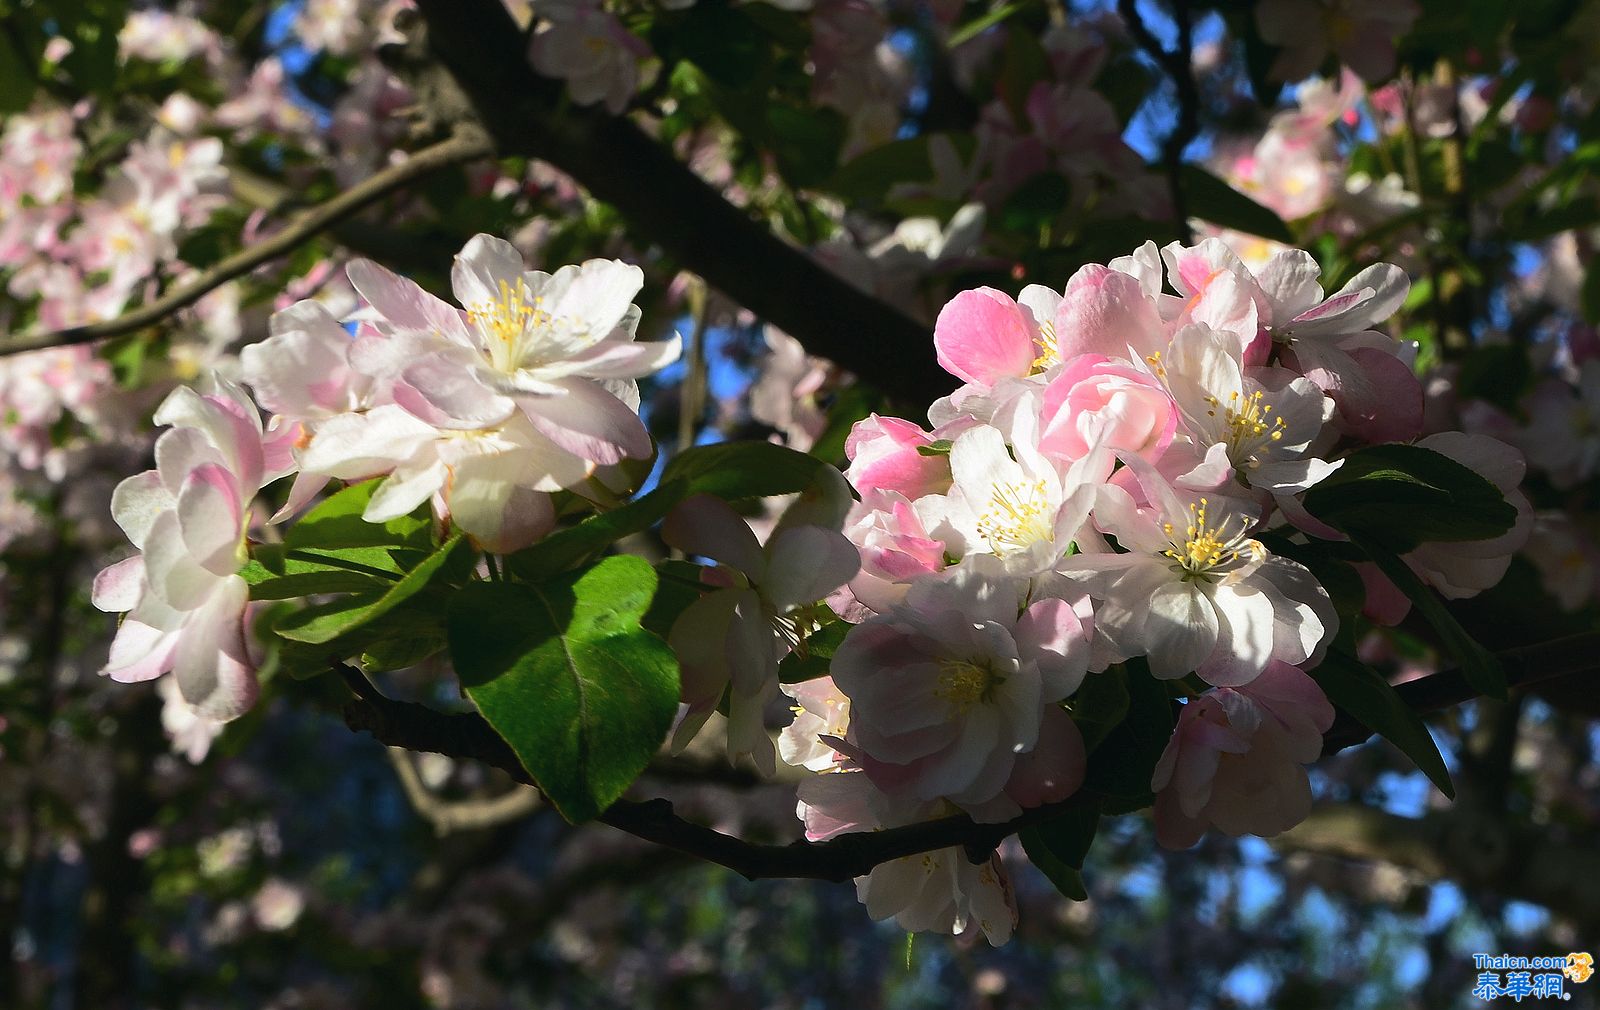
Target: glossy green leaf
x,y
322,624
1359,690
566,674
818,658
336,523
1099,705
1211,199
1058,847
1478,665
733,470
564,548
1401,496
1125,760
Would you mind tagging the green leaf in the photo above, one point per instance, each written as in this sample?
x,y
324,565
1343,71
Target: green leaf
x,y
294,578
396,652
1479,665
818,660
678,585
1100,705
1126,758
868,176
806,142
1359,690
319,625
18,72
734,470
1401,496
565,548
1211,199
337,523
1058,847
564,672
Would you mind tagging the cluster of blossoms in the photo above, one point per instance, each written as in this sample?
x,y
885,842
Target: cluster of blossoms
x,y
1092,494
1097,492
483,410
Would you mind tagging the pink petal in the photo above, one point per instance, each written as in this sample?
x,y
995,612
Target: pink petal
x,y
589,422
982,336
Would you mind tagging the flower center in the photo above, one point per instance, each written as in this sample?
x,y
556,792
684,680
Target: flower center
x,y
963,684
506,319
1248,424
1204,547
1049,348
1018,516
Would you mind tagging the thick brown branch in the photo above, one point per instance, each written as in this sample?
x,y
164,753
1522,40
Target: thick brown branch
x,y
467,144
416,727
665,202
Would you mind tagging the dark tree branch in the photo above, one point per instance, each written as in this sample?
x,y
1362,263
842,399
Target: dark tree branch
x,y
1177,65
478,43
417,727
466,145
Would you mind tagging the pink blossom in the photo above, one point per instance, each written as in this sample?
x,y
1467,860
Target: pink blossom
x,y
590,50
1099,401
948,688
1360,32
884,456
1234,760
184,600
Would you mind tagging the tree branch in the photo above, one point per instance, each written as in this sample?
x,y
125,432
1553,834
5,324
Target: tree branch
x,y
448,816
1177,65
478,43
467,144
417,727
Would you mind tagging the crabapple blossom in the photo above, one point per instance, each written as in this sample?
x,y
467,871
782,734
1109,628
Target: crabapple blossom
x,y
885,455
1009,501
948,688
1101,401
589,49
183,597
492,482
762,605
939,891
1234,760
1194,592
1265,429
558,347
1361,33
896,549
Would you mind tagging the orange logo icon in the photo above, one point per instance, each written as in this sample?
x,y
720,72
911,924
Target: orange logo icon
x,y
1579,967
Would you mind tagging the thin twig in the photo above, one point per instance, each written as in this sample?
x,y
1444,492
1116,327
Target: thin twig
x,y
467,144
447,816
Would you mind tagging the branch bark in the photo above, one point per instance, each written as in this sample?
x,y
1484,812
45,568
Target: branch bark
x,y
479,44
467,144
417,727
